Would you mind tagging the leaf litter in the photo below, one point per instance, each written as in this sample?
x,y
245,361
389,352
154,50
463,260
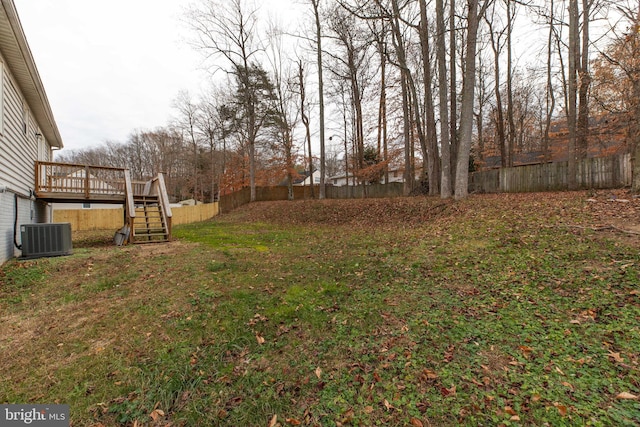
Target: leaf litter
x,y
497,309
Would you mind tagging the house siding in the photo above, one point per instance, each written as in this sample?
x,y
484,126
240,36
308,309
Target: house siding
x,y
18,152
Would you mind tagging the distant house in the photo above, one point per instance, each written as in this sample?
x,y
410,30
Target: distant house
x,y
307,179
395,175
28,132
343,179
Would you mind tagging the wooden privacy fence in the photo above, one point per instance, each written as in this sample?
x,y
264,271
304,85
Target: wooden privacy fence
x,y
113,219
229,202
600,172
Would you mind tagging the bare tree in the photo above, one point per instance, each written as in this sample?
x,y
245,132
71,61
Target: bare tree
x,y
227,29
617,79
572,80
186,121
379,32
510,6
584,83
497,44
352,65
468,96
443,89
208,125
286,111
302,92
550,94
433,157
316,13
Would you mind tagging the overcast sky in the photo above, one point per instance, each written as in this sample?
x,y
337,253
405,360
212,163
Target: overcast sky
x,y
112,67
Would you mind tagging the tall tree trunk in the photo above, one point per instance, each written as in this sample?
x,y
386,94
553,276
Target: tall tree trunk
x,y
510,119
316,13
572,93
635,113
443,88
584,78
499,114
635,129
382,109
433,158
453,91
550,96
468,95
408,172
408,96
305,121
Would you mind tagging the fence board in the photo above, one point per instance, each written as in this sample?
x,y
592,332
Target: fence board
x,y
597,173
113,219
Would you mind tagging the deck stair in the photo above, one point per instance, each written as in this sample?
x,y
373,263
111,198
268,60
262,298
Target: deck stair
x,y
147,211
149,224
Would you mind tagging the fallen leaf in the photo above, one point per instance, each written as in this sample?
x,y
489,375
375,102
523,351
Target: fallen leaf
x,y
509,410
514,418
293,421
558,370
416,422
368,409
387,405
156,414
561,409
535,397
448,391
429,374
526,350
260,339
626,395
274,421
568,385
318,372
476,382
347,417
448,355
615,356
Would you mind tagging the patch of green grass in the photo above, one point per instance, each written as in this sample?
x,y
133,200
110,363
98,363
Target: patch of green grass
x,y
482,319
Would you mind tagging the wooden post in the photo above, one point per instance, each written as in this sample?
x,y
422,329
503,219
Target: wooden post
x,y
86,182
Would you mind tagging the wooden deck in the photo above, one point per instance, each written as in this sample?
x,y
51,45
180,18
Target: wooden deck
x,y
147,210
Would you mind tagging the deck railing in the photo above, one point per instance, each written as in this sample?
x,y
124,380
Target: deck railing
x,y
83,181
80,180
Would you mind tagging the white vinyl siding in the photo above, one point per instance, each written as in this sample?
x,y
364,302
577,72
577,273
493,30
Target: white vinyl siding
x,y
25,118
1,92
18,150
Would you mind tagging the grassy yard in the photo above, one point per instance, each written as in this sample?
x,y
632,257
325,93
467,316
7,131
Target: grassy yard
x,y
497,310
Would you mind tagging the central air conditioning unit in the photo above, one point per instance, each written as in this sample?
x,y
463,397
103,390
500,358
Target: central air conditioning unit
x,y
45,240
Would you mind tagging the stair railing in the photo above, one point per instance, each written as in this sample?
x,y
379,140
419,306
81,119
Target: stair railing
x,y
163,198
130,207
